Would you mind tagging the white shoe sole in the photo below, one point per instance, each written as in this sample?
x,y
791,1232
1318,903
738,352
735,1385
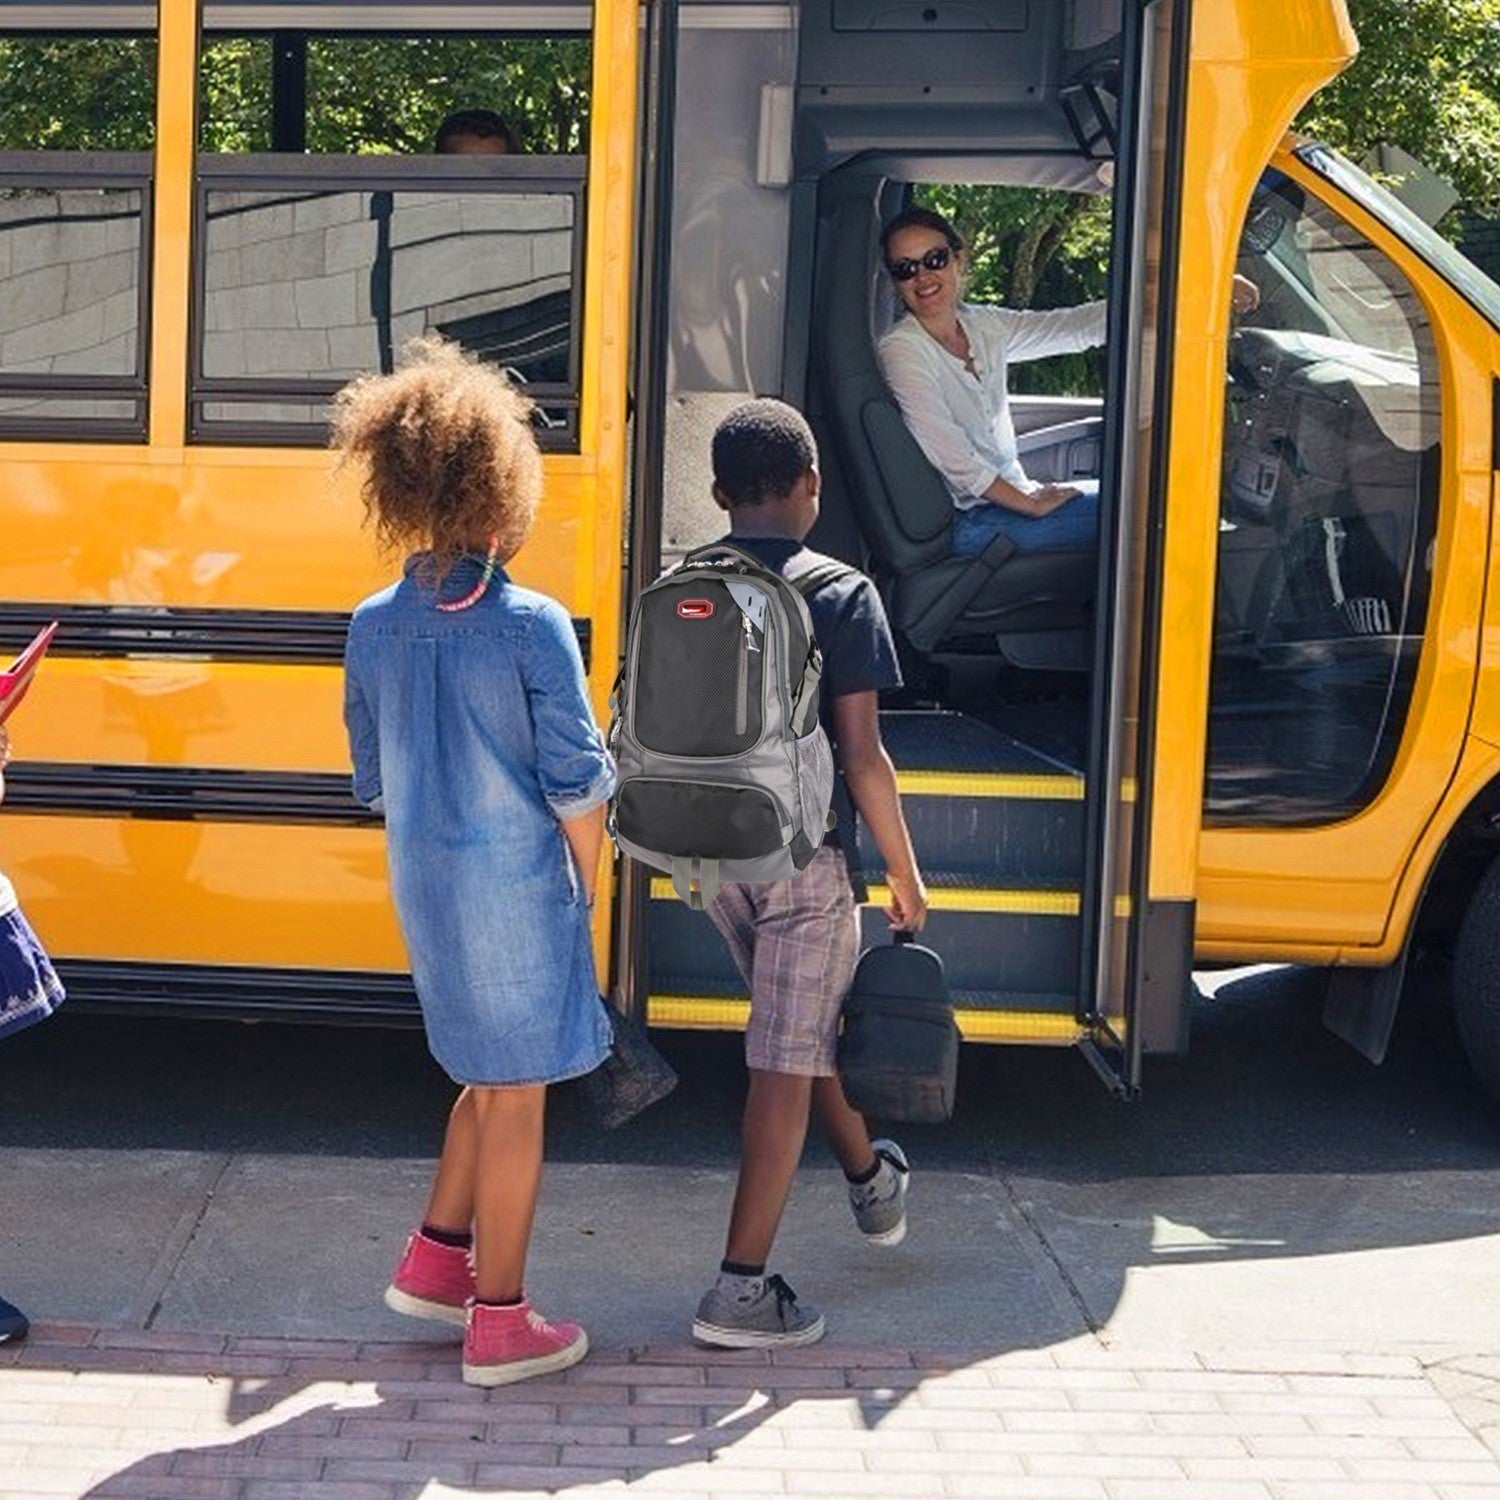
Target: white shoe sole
x,y
754,1338
888,1237
524,1369
418,1307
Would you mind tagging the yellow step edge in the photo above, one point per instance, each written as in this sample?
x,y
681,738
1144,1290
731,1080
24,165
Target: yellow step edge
x,y
725,1013
1060,787
1025,903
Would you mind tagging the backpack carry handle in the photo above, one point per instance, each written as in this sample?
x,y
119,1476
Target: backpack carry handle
x,y
723,549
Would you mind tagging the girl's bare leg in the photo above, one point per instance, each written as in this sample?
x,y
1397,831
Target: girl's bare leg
x,y
451,1205
508,1132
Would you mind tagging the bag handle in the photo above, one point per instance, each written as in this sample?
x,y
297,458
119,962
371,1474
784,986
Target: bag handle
x,y
723,549
902,936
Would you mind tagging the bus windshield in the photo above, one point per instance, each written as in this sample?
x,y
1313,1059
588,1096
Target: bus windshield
x,y
1443,257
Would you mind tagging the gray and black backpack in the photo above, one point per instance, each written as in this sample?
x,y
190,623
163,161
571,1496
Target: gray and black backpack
x,y
725,771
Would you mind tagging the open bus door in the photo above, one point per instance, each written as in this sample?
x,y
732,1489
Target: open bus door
x,y
1135,971
1063,875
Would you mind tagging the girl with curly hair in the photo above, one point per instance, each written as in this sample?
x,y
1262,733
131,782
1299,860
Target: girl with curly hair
x,y
470,729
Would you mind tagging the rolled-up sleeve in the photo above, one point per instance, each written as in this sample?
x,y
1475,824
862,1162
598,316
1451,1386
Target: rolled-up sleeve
x,y
575,771
364,735
929,417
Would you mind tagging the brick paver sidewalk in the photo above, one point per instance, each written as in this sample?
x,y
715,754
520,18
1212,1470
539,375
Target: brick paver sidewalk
x,y
179,1417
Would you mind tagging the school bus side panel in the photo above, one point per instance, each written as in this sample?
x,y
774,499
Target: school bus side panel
x,y
258,530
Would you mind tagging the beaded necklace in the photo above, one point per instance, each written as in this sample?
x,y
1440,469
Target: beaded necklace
x,y
476,593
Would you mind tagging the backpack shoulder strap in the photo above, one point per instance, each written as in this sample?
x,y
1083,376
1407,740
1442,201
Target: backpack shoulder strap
x,y
810,580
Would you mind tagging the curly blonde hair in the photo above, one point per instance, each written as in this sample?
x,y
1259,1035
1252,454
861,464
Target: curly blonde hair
x,y
447,453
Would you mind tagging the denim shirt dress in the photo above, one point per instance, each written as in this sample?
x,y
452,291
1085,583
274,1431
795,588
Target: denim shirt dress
x,y
472,732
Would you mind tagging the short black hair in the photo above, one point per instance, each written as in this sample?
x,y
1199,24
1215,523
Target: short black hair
x,y
761,450
919,218
481,124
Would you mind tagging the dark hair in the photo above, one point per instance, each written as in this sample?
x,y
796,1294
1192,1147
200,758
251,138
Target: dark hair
x,y
761,450
481,125
919,218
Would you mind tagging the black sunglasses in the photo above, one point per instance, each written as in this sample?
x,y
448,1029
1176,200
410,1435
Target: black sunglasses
x,y
936,259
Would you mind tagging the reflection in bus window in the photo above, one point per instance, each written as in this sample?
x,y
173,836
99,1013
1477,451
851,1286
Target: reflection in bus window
x,y
359,95
1328,510
76,127
302,290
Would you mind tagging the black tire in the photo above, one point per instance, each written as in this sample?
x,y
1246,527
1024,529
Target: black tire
x,y
1476,980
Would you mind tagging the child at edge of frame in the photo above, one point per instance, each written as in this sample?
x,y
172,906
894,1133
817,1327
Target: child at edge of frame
x,y
796,941
470,728
29,992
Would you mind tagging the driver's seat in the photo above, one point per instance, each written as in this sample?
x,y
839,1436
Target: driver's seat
x,y
900,501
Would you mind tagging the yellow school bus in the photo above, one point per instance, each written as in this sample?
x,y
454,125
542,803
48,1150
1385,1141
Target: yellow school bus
x,y
1260,722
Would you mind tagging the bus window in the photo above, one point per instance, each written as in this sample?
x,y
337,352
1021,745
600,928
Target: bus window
x,y
342,93
77,118
330,230
1329,505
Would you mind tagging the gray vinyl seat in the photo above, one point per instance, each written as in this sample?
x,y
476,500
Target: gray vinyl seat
x,y
900,501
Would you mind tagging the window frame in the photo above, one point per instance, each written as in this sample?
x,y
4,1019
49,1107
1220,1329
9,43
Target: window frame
x,y
300,175
127,170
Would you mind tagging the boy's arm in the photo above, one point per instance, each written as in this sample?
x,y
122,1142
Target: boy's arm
x,y
871,779
4,758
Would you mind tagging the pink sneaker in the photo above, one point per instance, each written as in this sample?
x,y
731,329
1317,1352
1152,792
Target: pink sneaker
x,y
432,1281
514,1343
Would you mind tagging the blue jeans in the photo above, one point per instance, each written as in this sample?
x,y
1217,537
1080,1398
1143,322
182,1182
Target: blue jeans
x,y
1072,527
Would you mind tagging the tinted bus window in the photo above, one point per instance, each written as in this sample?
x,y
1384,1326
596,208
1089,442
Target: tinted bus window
x,y
76,127
341,212
301,291
1329,506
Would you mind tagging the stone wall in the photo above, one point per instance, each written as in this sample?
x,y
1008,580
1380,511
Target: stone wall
x,y
289,283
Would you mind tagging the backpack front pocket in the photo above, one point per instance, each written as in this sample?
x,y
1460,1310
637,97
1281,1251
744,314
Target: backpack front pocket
x,y
709,819
699,673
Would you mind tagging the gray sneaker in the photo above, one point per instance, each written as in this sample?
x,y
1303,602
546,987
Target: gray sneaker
x,y
763,1314
880,1204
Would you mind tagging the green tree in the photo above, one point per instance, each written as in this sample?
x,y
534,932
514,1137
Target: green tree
x,y
77,93
1427,79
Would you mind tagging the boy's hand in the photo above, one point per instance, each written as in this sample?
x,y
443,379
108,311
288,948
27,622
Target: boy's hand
x,y
908,909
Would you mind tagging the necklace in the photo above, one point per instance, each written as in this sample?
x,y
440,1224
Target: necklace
x,y
476,593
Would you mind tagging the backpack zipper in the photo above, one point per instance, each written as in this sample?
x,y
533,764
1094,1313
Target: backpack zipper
x,y
742,680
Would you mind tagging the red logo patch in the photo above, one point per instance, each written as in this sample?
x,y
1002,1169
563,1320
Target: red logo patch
x,y
695,609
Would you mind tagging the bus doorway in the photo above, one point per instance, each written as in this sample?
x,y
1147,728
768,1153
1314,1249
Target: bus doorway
x,y
796,135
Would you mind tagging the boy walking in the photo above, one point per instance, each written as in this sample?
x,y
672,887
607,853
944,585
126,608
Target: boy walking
x,y
796,941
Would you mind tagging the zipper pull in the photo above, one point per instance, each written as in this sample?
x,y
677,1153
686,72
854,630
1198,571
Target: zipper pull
x,y
749,633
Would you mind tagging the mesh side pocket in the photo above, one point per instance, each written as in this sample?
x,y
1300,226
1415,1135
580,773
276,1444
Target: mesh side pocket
x,y
815,783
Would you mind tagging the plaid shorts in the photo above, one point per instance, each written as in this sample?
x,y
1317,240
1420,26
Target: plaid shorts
x,y
796,942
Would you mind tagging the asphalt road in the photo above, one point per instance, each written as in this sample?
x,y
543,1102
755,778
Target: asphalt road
x,y
1269,1188
1263,1089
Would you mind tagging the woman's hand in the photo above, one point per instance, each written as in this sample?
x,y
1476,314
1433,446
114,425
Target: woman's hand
x,y
1245,296
1049,498
1038,502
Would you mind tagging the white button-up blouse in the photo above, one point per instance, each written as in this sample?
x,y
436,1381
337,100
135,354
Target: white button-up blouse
x,y
963,422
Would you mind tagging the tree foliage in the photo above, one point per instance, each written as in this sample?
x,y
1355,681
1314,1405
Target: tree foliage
x,y
364,94
1427,79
